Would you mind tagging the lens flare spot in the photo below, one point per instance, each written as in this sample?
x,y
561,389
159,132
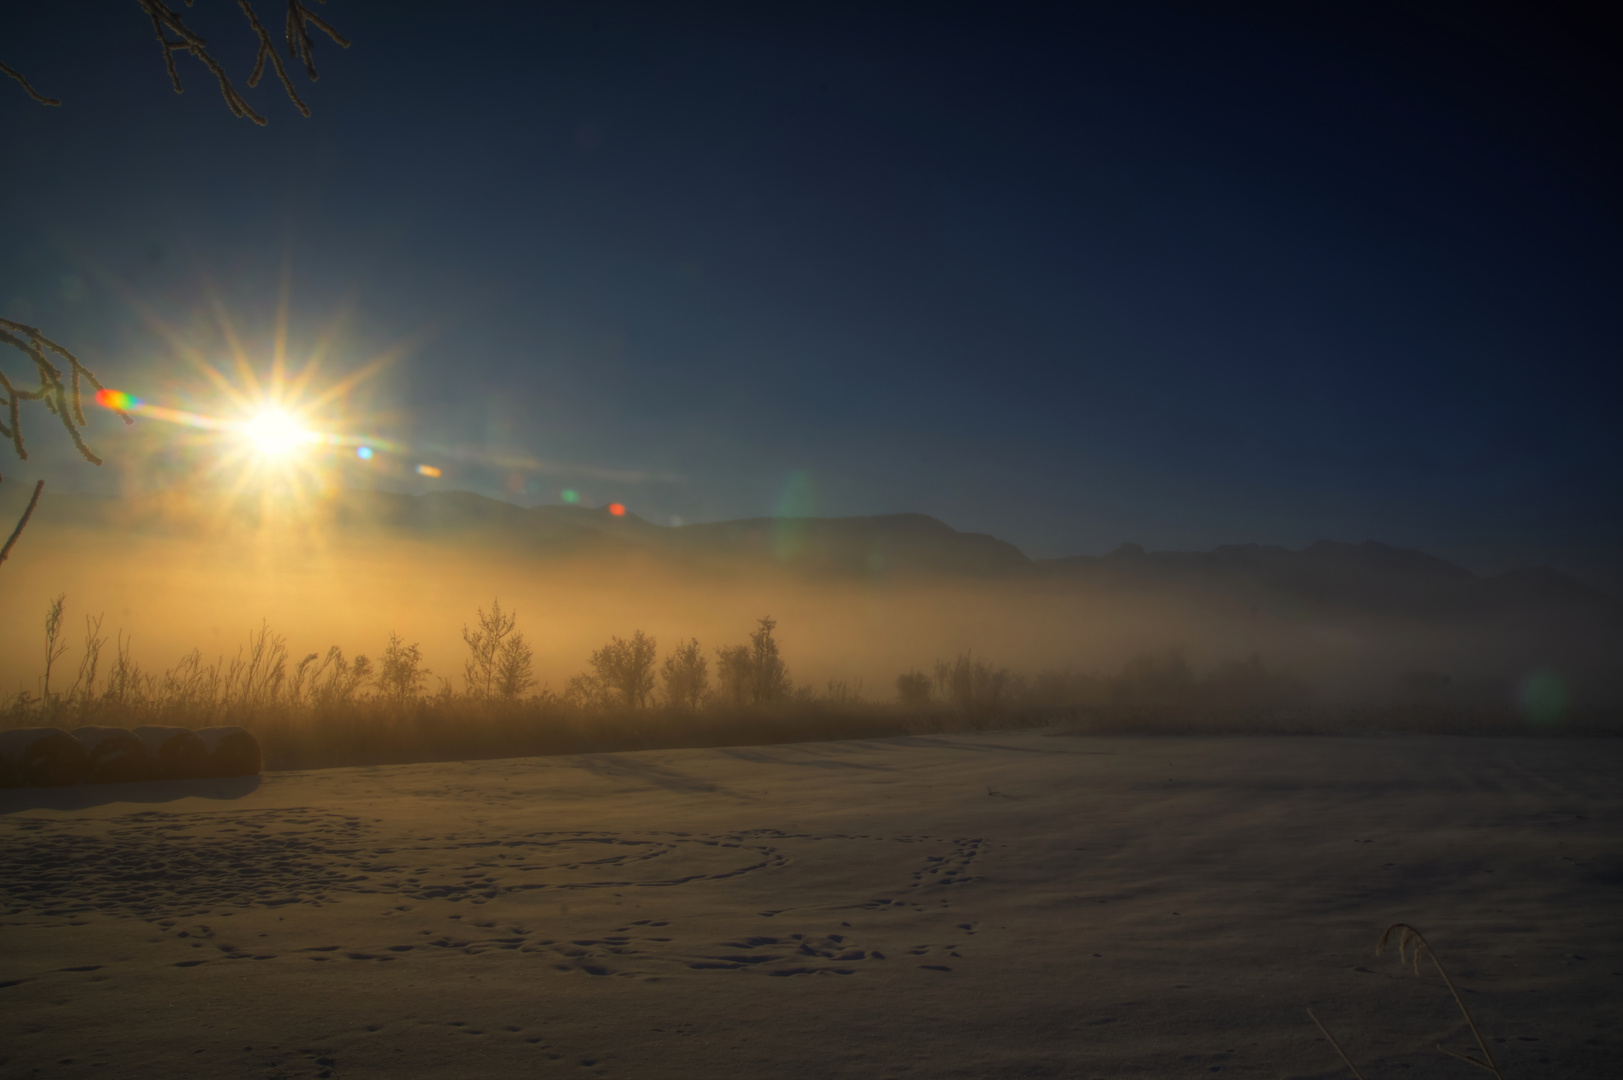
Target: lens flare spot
x,y
116,399
364,453
617,510
1544,696
428,470
570,496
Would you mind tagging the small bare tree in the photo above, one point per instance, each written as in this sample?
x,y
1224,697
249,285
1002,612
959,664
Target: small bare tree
x,y
687,676
770,680
626,668
401,674
487,647
513,668
735,673
754,674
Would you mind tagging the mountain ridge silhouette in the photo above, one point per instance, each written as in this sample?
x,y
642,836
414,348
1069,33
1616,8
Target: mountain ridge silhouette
x,y
1327,576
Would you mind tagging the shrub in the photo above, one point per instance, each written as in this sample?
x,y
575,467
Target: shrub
x,y
335,680
969,683
1155,679
840,693
913,689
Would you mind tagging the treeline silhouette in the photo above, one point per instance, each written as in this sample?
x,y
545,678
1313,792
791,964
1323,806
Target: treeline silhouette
x,y
333,708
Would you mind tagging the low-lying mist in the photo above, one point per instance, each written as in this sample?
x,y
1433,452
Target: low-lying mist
x,y
1112,635
170,596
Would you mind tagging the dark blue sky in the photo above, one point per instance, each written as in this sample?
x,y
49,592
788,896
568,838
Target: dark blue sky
x,y
1138,271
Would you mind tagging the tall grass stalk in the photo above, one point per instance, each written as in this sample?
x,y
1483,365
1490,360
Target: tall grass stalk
x,y
1411,942
1412,946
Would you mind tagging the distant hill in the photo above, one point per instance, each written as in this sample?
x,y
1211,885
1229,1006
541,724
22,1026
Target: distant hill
x,y
1337,580
1327,580
884,544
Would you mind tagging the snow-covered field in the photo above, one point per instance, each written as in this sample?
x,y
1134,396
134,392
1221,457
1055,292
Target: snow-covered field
x,y
1010,904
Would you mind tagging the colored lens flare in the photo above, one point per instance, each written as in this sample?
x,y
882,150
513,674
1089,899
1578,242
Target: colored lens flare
x,y
282,443
117,399
1544,696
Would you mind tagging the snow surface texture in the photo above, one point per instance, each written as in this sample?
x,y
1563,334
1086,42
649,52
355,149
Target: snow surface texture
x,y
987,905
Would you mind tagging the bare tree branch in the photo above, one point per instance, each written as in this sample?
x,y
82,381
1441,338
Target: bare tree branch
x,y
166,20
60,397
268,50
35,94
39,486
299,45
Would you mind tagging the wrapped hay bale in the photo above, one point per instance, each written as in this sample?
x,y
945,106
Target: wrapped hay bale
x,y
177,753
232,751
43,756
113,755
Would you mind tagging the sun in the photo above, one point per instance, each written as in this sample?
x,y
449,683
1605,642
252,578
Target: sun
x,y
277,444
274,433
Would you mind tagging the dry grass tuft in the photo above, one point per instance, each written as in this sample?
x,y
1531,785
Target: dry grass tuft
x,y
1412,948
1337,1046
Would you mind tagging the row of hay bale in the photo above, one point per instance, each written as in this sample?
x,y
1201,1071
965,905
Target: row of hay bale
x,y
52,757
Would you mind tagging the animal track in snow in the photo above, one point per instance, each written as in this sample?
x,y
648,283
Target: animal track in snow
x,y
160,866
152,864
951,869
